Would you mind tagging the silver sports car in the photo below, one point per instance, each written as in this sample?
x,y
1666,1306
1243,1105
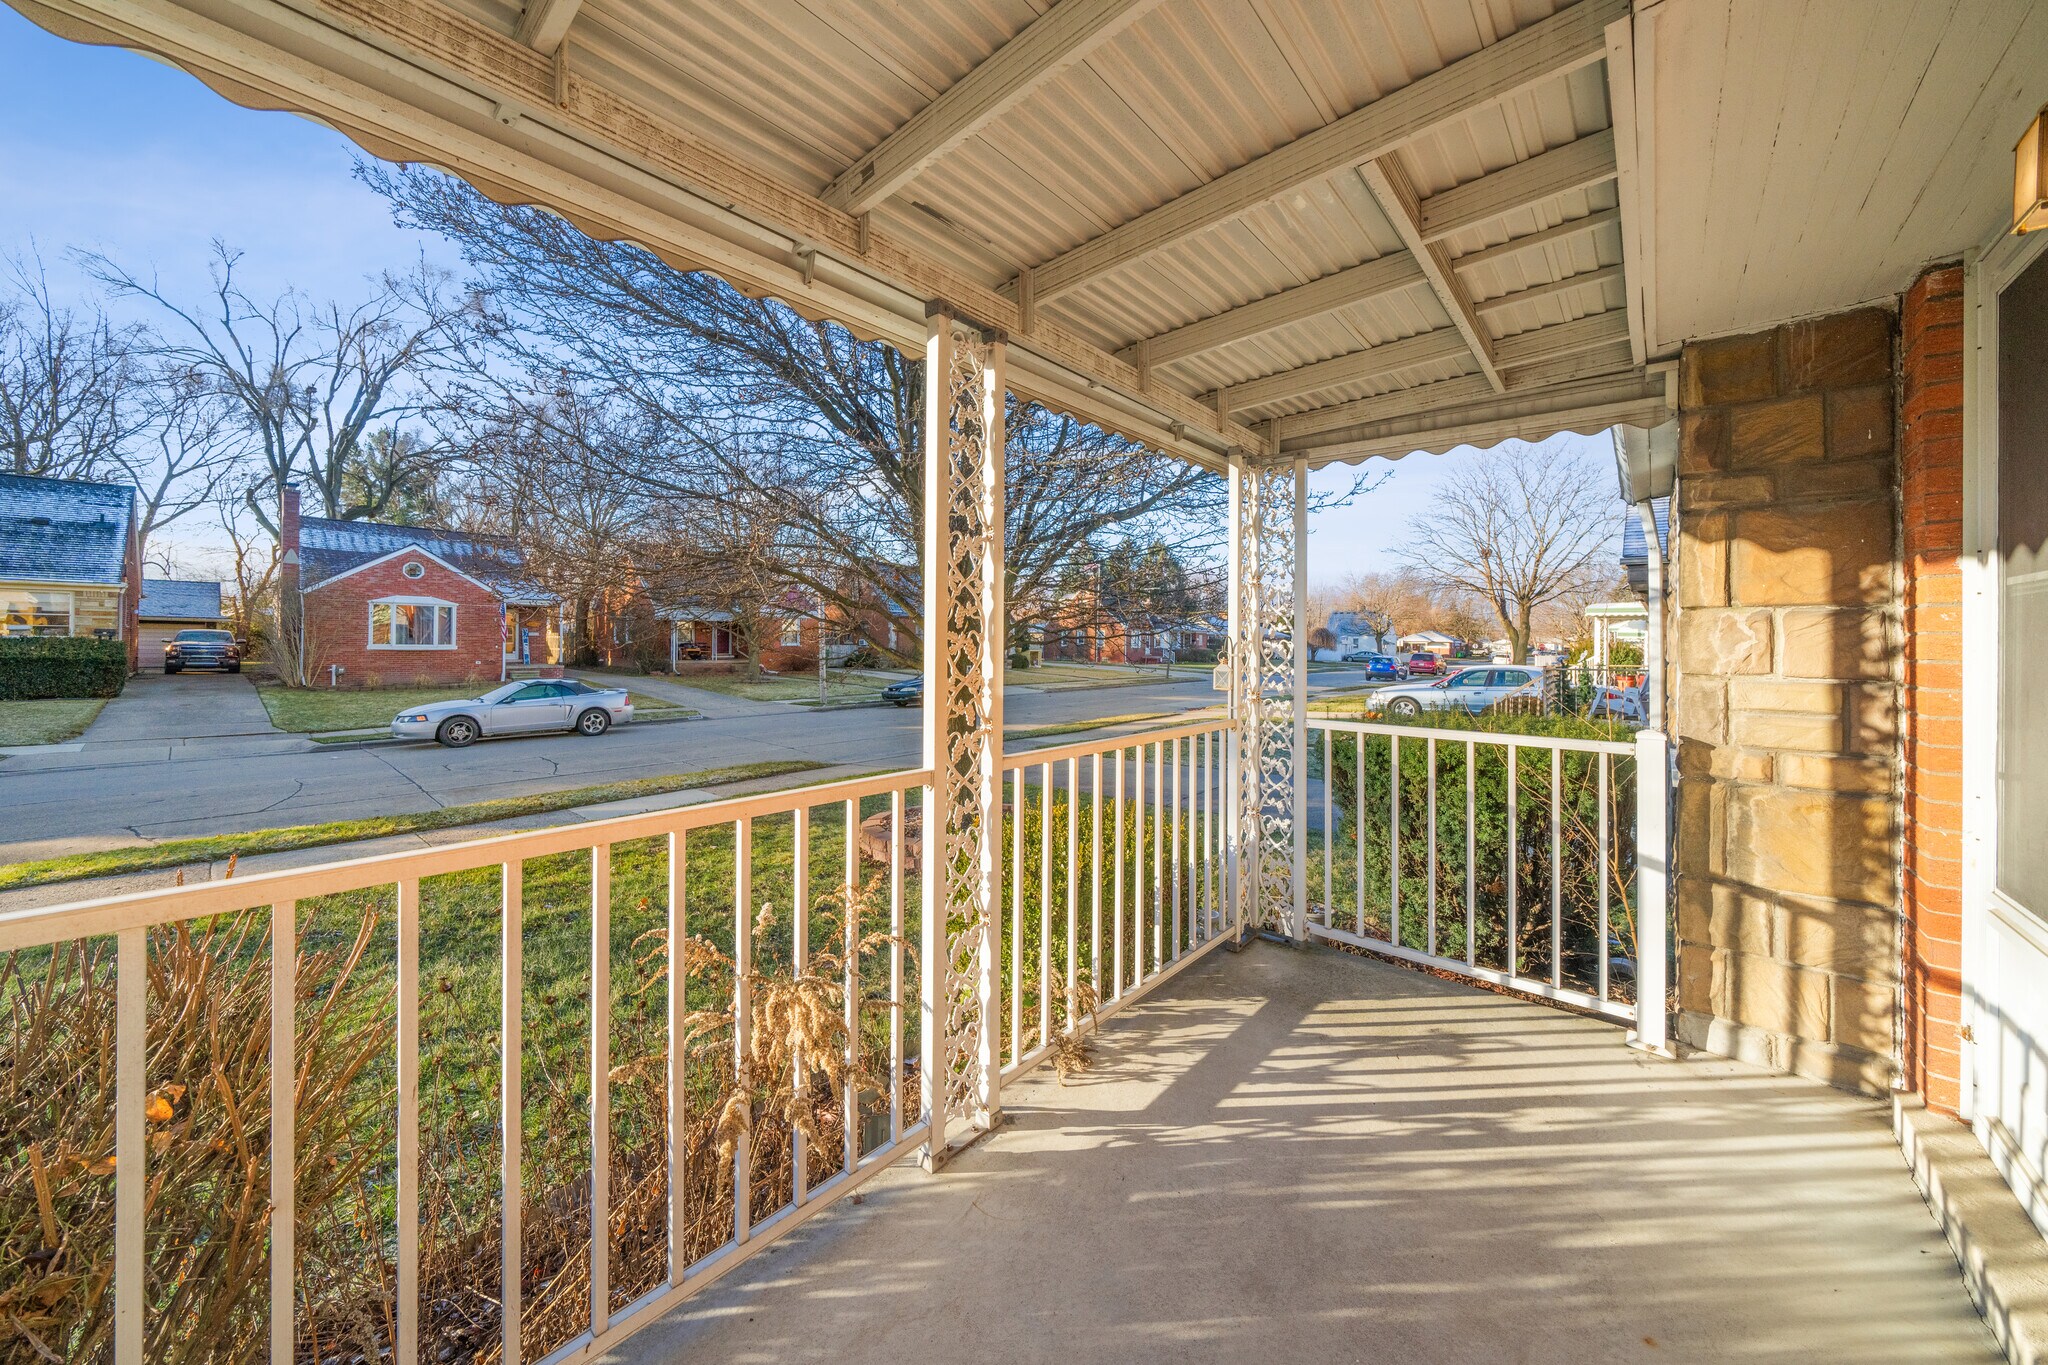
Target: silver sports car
x,y
517,708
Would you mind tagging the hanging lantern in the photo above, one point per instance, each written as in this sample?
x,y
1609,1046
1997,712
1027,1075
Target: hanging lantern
x,y
2030,177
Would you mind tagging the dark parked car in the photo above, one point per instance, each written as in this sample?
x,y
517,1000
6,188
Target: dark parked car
x,y
905,691
202,649
1425,664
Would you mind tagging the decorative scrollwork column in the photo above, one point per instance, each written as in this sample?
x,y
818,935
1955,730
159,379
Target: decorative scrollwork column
x,y
1268,664
960,1063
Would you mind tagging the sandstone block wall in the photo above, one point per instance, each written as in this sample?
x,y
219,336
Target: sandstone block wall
x,y
1786,700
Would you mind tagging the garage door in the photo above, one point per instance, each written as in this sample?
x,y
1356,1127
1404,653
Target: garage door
x,y
152,639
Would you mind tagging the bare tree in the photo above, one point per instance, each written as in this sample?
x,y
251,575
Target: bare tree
x,y
313,381
541,477
184,453
1518,528
69,383
843,417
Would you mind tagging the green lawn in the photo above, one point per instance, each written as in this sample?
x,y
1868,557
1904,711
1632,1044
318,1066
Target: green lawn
x,y
786,688
312,710
178,852
48,720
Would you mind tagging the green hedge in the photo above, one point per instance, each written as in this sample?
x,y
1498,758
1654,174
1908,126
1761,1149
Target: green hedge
x,y
61,666
1365,854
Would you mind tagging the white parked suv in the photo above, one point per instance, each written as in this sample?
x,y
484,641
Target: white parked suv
x,y
1472,689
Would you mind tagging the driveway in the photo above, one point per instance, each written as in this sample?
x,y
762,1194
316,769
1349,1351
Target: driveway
x,y
174,707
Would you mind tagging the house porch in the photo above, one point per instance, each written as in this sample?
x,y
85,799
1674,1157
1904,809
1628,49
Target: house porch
x,y
1299,1155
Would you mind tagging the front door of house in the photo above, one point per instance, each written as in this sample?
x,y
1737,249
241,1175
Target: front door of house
x,y
2006,970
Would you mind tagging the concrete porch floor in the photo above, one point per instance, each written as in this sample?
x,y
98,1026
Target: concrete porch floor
x,y
1304,1156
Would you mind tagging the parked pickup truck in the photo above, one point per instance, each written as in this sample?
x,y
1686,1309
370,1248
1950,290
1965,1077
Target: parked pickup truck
x,y
202,649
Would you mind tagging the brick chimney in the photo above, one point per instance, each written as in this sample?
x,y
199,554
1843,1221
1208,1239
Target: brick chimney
x,y
288,541
291,610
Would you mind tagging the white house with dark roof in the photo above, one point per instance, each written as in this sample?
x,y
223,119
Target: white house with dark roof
x,y
70,563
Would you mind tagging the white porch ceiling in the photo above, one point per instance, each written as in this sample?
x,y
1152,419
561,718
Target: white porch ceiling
x,y
1091,177
1806,156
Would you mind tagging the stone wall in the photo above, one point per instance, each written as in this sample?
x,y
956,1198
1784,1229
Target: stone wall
x,y
1786,699
1931,538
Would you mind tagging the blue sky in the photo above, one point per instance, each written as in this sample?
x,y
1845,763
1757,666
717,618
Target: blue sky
x,y
110,151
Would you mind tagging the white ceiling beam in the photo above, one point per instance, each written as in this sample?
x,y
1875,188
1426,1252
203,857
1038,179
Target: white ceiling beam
x,y
543,24
1052,43
1626,405
1401,403
1574,166
1582,334
1628,180
1607,358
1390,274
1388,180
1567,40
1375,362
1563,232
1535,292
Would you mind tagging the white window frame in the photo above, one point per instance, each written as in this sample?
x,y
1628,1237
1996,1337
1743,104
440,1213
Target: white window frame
x,y
70,610
370,621
793,633
1989,915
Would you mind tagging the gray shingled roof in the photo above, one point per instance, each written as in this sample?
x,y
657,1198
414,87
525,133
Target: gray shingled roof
x,y
61,531
328,548
179,599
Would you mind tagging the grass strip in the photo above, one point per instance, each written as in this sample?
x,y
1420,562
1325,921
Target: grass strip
x,y
212,848
49,720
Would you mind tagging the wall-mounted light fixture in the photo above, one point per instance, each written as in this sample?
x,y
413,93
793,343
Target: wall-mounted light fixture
x,y
2030,176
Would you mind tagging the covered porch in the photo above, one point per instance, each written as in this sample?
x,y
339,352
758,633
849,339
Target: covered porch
x,y
1299,1155
1424,226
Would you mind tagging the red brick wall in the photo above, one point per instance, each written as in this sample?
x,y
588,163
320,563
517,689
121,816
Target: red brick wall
x,y
338,629
1931,525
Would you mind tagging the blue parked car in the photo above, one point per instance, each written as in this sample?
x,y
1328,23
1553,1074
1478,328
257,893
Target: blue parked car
x,y
905,691
1384,668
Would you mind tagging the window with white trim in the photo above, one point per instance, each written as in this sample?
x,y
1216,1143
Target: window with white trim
x,y
412,623
23,612
793,633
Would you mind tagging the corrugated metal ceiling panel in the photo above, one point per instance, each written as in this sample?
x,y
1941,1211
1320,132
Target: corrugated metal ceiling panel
x,y
1190,91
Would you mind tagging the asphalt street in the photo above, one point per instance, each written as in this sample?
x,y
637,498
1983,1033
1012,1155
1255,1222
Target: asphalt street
x,y
106,795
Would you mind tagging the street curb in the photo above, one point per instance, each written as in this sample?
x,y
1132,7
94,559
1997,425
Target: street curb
x,y
381,741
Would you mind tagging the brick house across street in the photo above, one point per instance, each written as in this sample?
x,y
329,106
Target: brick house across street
x,y
70,563
395,605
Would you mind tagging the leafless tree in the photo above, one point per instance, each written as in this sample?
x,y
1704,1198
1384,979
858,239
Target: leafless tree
x,y
539,474
184,453
69,382
1517,528
843,416
313,381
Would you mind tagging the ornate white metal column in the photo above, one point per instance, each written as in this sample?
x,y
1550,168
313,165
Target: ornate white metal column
x,y
960,1062
1268,654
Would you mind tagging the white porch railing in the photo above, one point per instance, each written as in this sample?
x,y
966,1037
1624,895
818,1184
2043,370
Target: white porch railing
x,y
1115,876
1528,861
698,1188
495,1043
